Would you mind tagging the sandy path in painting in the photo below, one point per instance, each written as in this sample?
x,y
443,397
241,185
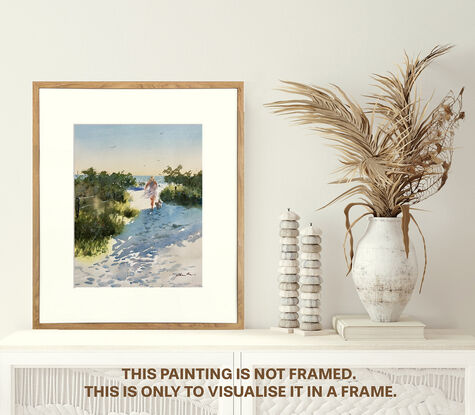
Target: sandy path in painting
x,y
159,248
138,201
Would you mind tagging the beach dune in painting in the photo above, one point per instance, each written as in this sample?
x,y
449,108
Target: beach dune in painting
x,y
138,206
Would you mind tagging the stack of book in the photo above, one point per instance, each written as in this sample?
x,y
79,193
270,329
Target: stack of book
x,y
360,327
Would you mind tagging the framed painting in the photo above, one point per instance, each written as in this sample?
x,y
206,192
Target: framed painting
x,y
138,205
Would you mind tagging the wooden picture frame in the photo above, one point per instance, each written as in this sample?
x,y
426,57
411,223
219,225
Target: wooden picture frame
x,y
239,288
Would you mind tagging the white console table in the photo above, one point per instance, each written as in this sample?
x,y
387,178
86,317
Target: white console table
x,y
441,365
235,340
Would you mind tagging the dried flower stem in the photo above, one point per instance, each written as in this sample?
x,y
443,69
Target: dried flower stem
x,y
399,156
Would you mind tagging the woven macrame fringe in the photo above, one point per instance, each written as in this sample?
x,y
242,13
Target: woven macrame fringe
x,y
451,381
41,387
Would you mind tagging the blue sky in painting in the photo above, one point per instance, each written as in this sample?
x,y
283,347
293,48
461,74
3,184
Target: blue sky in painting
x,y
141,149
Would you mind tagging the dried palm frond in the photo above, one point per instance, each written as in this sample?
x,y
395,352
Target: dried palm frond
x,y
395,152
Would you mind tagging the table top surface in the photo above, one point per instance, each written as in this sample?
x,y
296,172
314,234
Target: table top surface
x,y
174,340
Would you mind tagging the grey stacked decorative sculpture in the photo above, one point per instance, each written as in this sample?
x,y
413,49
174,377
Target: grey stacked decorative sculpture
x,y
310,281
289,272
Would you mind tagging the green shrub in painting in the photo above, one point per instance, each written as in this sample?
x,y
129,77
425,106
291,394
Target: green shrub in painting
x,y
183,188
103,185
181,195
102,209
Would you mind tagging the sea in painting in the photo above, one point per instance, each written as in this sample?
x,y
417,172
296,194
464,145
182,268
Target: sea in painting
x,y
138,205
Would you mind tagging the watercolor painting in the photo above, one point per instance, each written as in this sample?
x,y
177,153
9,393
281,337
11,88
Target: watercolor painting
x,y
138,205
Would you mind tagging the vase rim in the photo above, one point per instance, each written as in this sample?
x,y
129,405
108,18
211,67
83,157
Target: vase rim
x,y
384,219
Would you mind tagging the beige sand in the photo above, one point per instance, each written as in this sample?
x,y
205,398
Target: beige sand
x,y
138,201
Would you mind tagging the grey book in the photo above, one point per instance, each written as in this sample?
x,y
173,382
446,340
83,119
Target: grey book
x,y
360,327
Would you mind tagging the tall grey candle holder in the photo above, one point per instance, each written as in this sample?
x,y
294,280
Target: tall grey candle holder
x,y
288,272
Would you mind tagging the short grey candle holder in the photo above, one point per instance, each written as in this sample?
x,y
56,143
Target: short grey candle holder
x,y
310,282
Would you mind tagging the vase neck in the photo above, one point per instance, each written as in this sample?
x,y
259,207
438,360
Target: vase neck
x,y
376,224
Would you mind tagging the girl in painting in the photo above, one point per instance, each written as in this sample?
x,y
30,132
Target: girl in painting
x,y
150,191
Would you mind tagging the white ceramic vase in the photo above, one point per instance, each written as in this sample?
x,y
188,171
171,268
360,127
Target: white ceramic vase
x,y
383,275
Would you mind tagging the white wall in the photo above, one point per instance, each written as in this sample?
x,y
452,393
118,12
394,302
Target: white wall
x,y
258,42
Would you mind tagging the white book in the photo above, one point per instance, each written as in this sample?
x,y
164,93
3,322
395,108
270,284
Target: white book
x,y
360,327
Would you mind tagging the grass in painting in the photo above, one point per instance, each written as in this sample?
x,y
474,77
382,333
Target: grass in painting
x,y
183,188
102,210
